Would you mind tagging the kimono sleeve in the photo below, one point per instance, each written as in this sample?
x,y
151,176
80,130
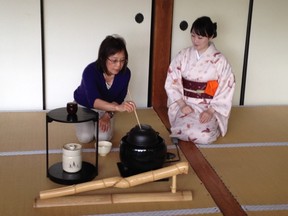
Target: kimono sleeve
x,y
173,83
222,100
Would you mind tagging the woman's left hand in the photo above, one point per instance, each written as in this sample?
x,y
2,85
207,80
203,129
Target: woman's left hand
x,y
206,116
104,123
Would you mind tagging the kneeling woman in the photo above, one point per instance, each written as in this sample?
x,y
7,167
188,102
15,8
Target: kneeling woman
x,y
200,87
104,87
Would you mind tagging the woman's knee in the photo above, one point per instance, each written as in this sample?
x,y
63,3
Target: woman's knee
x,y
207,138
85,131
85,137
204,140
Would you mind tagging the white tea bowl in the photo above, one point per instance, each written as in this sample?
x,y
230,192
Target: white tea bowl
x,y
104,147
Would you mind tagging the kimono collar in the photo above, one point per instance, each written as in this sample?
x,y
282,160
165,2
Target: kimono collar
x,y
209,50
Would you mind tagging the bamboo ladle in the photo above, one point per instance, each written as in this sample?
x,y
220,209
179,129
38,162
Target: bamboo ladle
x,y
135,111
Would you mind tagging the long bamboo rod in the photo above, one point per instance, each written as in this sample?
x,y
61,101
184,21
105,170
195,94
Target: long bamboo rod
x,y
118,182
113,198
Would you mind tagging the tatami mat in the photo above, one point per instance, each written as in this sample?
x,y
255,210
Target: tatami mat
x,y
257,124
251,160
23,174
255,175
22,131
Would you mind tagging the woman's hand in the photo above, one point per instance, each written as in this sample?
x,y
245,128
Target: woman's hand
x,y
126,106
206,115
186,109
104,122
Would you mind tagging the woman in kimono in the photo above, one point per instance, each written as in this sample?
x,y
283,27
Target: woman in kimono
x,y
200,86
103,87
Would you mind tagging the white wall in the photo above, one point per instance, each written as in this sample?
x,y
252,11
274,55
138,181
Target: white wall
x,y
73,32
20,55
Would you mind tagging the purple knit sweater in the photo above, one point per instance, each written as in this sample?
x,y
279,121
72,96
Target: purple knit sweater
x,y
93,86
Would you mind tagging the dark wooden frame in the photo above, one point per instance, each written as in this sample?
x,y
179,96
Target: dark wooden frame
x,y
160,56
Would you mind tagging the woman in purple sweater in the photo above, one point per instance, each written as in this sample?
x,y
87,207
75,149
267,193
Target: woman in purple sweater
x,y
103,87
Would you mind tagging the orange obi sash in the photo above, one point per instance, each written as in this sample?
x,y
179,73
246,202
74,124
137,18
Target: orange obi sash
x,y
200,89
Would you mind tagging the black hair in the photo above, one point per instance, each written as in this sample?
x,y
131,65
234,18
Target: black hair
x,y
204,26
111,45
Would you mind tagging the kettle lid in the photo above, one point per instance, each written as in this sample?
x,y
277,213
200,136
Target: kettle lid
x,y
142,136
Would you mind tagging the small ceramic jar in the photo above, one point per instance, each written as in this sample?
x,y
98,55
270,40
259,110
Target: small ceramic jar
x,y
71,158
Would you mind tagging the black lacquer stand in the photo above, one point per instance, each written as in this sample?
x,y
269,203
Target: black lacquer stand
x,y
88,171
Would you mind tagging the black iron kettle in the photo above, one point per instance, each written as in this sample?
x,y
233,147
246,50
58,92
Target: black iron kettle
x,y
142,149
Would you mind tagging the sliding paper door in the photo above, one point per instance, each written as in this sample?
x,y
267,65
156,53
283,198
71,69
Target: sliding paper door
x,y
20,55
73,33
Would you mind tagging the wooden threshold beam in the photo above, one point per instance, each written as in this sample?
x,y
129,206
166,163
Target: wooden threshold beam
x,y
223,198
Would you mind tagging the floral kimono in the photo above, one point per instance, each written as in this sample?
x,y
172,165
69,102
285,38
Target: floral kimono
x,y
190,77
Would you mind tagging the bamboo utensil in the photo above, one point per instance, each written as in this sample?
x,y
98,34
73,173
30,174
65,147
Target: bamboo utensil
x,y
58,197
99,199
119,182
135,111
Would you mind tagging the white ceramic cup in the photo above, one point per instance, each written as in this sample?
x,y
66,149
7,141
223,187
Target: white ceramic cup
x,y
104,147
71,157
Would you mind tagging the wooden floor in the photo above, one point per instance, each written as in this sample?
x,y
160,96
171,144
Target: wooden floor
x,y
246,165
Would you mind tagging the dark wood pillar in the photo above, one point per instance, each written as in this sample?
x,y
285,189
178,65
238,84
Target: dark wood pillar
x,y
161,51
